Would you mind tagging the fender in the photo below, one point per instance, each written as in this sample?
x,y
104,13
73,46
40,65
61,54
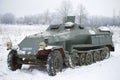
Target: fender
x,y
48,49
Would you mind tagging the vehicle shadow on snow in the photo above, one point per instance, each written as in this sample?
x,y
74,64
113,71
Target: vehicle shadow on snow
x,y
41,69
30,69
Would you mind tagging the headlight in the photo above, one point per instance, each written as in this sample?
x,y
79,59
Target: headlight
x,y
9,45
42,45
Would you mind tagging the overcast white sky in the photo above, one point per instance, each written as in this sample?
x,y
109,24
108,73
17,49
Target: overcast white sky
x,y
31,7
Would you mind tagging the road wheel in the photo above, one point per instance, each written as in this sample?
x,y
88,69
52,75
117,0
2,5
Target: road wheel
x,y
89,58
96,56
103,54
12,61
54,63
82,59
74,60
107,52
69,60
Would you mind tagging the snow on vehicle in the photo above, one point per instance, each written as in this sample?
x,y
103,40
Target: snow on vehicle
x,y
62,44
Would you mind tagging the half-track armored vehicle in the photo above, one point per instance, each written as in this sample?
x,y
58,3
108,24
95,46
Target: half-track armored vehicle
x,y
67,44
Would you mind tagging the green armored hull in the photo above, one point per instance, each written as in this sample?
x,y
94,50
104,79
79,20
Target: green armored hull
x,y
68,37
68,44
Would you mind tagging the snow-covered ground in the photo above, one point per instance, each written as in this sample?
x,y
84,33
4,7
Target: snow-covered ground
x,y
108,69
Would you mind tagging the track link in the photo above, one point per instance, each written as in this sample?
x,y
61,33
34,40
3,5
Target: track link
x,y
90,56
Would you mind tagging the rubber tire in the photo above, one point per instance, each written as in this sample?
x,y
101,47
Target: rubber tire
x,y
12,61
51,63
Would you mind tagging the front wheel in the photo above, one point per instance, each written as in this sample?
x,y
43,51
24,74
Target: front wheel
x,y
12,61
54,63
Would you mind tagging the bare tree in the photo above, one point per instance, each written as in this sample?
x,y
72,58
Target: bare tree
x,y
118,18
0,18
114,17
8,18
65,9
46,17
82,14
20,20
